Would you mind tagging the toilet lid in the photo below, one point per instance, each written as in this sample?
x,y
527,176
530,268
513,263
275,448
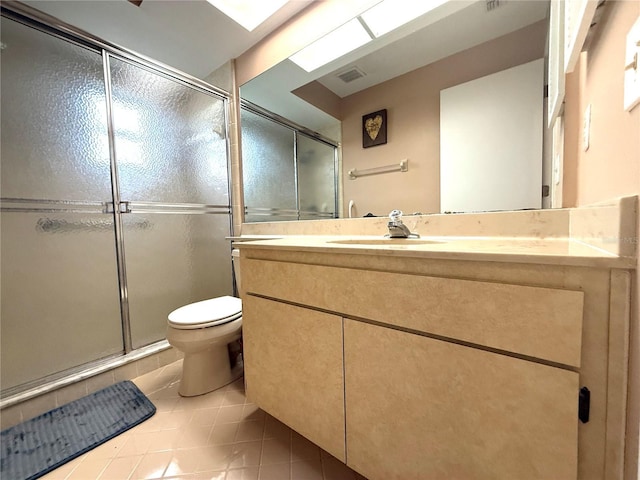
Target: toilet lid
x,y
206,313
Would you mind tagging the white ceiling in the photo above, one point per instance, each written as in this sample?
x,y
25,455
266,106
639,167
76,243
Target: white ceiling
x,y
460,28
189,35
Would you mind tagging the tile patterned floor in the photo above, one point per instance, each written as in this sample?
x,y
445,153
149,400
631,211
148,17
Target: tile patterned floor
x,y
218,436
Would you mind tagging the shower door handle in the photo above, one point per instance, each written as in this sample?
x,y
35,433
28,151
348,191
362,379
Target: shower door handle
x,y
123,207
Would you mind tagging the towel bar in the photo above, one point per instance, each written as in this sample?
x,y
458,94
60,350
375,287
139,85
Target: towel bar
x,y
403,166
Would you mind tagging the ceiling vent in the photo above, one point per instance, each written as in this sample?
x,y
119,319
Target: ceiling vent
x,y
350,75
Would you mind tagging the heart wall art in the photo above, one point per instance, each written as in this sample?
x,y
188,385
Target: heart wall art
x,y
374,129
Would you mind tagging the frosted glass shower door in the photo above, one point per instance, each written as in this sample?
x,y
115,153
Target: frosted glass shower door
x,y
268,170
171,153
60,302
316,178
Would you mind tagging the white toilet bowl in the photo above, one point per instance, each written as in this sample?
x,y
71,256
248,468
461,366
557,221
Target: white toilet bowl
x,y
202,331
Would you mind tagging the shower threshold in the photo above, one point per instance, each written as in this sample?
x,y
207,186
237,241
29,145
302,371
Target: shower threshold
x,y
24,392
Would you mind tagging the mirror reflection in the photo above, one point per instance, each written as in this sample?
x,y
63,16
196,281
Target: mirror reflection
x,y
463,87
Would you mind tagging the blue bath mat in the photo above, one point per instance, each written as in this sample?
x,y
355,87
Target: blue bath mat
x,y
37,446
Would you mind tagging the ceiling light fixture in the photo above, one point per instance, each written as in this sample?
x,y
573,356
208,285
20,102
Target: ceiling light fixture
x,y
375,22
248,13
342,40
391,14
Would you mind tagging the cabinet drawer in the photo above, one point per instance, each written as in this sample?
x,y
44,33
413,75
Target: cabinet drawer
x,y
538,322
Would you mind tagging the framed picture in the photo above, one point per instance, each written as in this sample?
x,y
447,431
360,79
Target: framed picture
x,y
374,129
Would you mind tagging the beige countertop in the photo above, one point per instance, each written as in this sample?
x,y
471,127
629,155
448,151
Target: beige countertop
x,y
551,251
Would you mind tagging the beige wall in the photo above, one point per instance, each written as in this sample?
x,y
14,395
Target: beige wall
x,y
413,114
611,165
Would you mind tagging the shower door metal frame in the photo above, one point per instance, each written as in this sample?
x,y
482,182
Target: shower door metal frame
x,y
40,21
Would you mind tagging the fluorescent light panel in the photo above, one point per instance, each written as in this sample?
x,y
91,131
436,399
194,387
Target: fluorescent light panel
x,y
248,13
342,40
380,19
390,14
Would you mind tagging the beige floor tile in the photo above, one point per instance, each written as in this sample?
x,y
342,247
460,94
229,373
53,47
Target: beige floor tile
x,y
165,421
334,469
165,440
194,436
119,468
250,430
154,424
217,475
245,454
223,433
89,468
274,450
279,471
303,449
252,412
234,397
210,400
136,444
110,448
274,428
250,473
152,465
214,458
205,416
185,461
149,382
230,414
236,385
63,471
165,404
307,470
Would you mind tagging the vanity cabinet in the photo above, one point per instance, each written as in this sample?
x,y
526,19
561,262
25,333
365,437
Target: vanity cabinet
x,y
294,369
440,369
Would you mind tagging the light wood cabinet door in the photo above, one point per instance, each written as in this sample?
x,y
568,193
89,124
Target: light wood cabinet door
x,y
294,368
422,408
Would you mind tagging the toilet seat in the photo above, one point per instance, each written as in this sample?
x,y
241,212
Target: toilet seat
x,y
207,313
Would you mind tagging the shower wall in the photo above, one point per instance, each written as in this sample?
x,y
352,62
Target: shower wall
x,y
115,202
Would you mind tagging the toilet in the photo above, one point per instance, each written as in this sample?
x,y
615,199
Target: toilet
x,y
203,332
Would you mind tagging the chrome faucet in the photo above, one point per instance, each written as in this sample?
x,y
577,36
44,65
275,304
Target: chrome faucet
x,y
397,229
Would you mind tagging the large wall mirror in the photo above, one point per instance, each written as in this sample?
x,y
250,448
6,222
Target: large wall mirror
x,y
413,72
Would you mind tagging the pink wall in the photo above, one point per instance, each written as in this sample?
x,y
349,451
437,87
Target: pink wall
x,y
611,166
413,115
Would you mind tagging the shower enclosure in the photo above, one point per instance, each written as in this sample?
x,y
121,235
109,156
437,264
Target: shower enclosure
x,y
115,200
288,173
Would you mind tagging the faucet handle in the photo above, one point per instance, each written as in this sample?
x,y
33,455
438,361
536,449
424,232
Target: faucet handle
x,y
395,215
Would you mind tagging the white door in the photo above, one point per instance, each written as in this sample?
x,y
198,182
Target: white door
x,y
491,141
